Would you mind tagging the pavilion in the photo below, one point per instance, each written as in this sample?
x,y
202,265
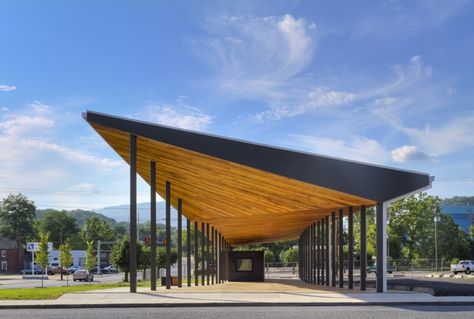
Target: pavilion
x,y
237,192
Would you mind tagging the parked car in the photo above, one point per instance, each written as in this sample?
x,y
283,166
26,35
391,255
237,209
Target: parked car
x,y
55,268
465,266
73,269
373,269
111,270
83,275
37,271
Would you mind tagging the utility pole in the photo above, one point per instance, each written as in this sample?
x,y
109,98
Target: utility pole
x,y
436,220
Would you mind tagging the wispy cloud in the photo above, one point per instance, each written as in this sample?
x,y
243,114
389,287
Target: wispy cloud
x,y
255,56
180,115
358,148
6,88
408,153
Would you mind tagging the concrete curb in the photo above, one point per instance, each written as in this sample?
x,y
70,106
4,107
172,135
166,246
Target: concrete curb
x,y
240,304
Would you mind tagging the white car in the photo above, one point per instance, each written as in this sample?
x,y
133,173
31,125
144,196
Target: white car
x,y
465,266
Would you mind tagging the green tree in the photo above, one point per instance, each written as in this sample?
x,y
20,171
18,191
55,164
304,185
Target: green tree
x,y
289,255
17,216
65,258
42,255
269,256
161,257
121,256
59,224
90,256
97,229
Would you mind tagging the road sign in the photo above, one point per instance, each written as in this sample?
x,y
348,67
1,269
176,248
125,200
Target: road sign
x,y
34,246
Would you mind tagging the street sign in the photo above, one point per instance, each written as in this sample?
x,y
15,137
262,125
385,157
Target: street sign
x,y
34,246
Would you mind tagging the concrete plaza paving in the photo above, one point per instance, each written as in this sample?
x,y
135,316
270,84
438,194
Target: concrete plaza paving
x,y
271,292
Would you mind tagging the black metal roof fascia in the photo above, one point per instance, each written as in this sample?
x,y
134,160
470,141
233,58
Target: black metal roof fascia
x,y
360,179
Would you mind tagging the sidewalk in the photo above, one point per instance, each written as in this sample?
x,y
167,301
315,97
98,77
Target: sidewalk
x,y
186,297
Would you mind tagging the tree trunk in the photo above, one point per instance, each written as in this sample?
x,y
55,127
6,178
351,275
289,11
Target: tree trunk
x,y
126,276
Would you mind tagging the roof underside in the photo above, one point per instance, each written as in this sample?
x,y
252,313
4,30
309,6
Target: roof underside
x,y
250,193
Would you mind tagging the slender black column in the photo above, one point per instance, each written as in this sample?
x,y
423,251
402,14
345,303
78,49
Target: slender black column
x,y
219,272
203,255
168,235
363,247
196,254
318,252
208,255
350,230
333,249
322,253
306,255
180,240
326,242
312,253
341,248
213,264
153,225
380,247
133,213
188,252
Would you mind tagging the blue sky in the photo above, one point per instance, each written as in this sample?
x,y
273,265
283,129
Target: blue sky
x,y
386,82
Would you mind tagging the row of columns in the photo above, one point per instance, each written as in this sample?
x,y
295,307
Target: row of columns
x,y
321,250
213,247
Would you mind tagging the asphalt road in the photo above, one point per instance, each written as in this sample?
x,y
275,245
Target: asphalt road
x,y
421,312
53,281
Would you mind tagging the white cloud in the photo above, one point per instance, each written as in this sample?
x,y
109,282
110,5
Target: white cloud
x,y
448,138
6,88
409,153
32,159
181,116
314,100
255,55
4,109
358,148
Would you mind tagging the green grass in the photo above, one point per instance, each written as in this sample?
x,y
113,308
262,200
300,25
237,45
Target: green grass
x,y
56,292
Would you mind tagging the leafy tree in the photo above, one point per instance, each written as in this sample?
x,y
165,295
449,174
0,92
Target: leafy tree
x,y
90,256
42,256
59,224
161,257
17,215
97,229
289,255
269,256
65,258
121,256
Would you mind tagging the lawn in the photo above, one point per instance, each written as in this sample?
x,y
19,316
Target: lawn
x,y
56,292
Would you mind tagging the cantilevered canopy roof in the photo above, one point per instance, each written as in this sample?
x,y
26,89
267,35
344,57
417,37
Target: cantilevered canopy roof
x,y
251,193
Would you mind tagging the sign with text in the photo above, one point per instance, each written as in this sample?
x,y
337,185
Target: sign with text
x,y
34,246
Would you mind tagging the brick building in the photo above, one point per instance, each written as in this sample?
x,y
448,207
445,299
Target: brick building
x,y
11,256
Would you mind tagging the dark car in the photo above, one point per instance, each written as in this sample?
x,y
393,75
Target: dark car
x,y
37,271
373,269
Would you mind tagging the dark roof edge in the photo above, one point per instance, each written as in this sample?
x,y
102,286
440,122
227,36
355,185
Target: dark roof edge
x,y
303,166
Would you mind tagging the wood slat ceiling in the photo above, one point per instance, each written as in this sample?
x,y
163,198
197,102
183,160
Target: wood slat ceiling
x,y
245,204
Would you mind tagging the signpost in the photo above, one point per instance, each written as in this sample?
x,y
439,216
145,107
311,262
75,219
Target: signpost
x,y
32,247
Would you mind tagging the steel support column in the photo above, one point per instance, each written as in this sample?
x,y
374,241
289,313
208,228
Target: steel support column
x,y
318,252
180,245
350,237
153,225
168,235
196,253
133,213
219,249
363,247
212,256
188,252
313,253
381,221
203,255
208,255
333,249
341,248
326,242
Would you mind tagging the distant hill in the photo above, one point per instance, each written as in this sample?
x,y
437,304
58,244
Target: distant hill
x,y
458,201
80,216
121,213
